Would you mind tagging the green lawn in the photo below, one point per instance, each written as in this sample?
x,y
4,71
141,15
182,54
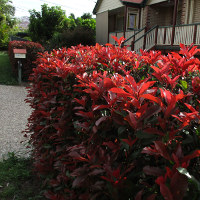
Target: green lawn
x,y
5,70
17,180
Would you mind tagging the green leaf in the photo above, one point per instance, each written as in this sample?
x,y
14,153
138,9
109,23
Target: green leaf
x,y
190,177
122,113
184,84
47,146
143,135
121,129
188,140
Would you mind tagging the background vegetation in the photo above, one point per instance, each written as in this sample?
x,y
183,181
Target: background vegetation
x,y
7,22
53,29
49,27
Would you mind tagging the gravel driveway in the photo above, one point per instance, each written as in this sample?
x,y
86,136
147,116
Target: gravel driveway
x,y
14,113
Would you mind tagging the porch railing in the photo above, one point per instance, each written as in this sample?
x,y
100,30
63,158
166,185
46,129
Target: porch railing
x,y
146,41
186,34
162,36
131,39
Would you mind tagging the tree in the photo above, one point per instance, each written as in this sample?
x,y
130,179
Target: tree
x,y
86,16
7,21
7,11
43,25
81,30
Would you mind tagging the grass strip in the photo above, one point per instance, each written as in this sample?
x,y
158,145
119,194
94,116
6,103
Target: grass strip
x,y
6,70
17,180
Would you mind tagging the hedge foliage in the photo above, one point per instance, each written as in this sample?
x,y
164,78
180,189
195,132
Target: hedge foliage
x,y
109,124
28,64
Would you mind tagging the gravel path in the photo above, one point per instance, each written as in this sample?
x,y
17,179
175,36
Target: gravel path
x,y
14,113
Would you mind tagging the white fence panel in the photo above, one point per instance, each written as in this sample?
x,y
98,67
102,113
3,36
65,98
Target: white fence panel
x,y
140,43
168,36
160,36
184,35
128,34
150,39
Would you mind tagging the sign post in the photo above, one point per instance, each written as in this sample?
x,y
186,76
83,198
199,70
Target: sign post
x,y
19,54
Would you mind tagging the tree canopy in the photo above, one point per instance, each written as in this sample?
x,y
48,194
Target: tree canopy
x,y
43,25
7,21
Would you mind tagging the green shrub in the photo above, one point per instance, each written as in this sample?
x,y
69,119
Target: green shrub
x,y
68,38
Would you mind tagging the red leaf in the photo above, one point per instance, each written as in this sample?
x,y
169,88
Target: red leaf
x,y
166,193
129,141
51,195
150,151
152,197
179,152
78,181
161,148
99,107
131,118
119,41
145,86
81,101
156,69
116,173
152,98
139,195
131,80
150,111
190,107
96,172
108,83
85,114
120,91
180,96
191,156
178,185
81,159
114,147
100,120
172,82
154,171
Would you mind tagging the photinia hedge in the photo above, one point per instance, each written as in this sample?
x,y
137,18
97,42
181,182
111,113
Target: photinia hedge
x,y
32,49
109,124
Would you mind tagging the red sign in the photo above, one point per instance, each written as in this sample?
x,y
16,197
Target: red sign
x,y
19,51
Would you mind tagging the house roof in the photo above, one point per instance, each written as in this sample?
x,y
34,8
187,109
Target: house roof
x,y
126,2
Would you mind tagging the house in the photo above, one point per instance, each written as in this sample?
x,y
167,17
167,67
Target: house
x,y
148,24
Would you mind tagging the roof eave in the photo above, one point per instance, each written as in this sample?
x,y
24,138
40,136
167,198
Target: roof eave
x,y
96,6
143,4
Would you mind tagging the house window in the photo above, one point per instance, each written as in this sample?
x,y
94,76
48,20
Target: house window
x,y
132,21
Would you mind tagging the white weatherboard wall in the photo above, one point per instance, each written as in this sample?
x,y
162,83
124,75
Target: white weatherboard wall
x,y
102,28
196,17
109,5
